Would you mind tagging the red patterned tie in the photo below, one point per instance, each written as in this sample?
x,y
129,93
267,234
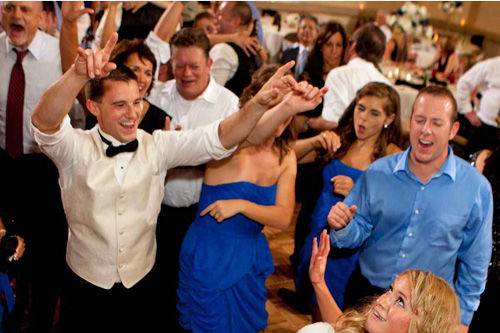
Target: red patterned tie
x,y
15,108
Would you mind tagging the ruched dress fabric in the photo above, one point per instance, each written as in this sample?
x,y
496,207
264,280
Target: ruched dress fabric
x,y
223,266
341,262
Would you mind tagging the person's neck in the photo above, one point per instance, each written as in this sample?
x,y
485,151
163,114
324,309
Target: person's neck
x,y
425,171
365,144
306,45
138,5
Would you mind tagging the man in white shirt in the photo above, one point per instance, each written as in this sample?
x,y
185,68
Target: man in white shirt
x,y
307,32
193,99
483,119
112,183
232,67
365,51
29,63
41,64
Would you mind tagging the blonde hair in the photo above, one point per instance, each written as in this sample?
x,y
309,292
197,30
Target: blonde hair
x,y
433,302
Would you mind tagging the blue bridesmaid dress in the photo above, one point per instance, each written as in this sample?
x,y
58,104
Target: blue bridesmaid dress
x,y
341,262
223,266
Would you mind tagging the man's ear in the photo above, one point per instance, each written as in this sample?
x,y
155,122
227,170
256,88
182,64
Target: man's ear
x,y
454,130
209,63
93,108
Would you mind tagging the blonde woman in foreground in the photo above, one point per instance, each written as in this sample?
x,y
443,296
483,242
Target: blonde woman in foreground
x,y
417,301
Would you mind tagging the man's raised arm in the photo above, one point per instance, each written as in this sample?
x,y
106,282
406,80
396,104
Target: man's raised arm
x,y
56,102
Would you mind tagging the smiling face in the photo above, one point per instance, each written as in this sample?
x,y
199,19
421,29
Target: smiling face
x,y
430,130
143,69
20,20
332,51
391,312
370,117
191,70
119,110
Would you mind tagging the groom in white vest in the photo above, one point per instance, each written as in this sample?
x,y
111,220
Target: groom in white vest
x,y
112,182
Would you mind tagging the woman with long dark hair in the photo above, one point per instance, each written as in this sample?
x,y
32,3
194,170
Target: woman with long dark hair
x,y
370,128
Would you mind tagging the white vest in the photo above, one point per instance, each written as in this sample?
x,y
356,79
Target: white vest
x,y
112,227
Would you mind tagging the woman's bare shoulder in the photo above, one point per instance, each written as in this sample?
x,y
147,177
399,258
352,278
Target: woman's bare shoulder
x,y
392,149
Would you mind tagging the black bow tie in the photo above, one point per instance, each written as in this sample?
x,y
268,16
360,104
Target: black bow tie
x,y
115,150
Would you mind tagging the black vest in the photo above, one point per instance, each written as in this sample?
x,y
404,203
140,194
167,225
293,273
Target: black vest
x,y
247,65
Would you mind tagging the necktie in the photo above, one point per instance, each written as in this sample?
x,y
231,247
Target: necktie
x,y
115,150
301,62
15,108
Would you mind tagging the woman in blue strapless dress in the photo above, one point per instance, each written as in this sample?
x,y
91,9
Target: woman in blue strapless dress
x,y
225,259
370,128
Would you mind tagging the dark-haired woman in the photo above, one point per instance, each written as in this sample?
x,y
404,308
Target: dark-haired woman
x,y
328,53
369,129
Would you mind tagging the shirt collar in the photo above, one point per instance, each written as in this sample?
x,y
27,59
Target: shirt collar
x,y
358,61
448,168
35,47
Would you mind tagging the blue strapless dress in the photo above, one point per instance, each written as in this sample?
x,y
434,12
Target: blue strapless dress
x,y
341,262
223,266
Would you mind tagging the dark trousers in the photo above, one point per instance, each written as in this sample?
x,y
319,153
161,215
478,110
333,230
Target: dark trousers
x,y
360,291
479,138
34,202
486,315
88,308
173,224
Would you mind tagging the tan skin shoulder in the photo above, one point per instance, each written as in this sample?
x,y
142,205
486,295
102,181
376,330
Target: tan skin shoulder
x,y
392,149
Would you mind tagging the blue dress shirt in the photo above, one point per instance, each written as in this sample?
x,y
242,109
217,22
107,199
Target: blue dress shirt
x,y
443,226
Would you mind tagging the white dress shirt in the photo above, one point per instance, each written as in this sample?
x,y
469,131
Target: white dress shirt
x,y
216,102
486,76
42,67
112,224
225,62
343,82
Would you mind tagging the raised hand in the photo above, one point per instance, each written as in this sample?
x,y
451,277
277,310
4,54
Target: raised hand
x,y
340,215
95,63
342,184
319,256
72,10
304,97
273,91
223,209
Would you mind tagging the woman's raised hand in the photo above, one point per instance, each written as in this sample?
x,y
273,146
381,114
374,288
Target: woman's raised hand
x,y
281,83
319,256
304,97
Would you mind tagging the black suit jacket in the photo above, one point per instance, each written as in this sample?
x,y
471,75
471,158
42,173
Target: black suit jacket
x,y
290,54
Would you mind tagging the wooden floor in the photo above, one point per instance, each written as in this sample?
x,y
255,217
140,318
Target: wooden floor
x,y
282,318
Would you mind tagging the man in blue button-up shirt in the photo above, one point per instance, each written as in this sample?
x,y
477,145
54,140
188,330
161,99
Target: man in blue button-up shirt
x,y
424,208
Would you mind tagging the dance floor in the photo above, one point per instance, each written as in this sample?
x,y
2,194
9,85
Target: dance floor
x,y
282,318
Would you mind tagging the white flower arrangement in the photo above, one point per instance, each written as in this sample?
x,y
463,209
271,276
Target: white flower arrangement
x,y
412,19
451,7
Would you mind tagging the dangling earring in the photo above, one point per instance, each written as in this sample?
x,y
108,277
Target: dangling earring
x,y
385,125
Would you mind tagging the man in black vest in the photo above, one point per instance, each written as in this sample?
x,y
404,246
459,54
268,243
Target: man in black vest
x,y
232,67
